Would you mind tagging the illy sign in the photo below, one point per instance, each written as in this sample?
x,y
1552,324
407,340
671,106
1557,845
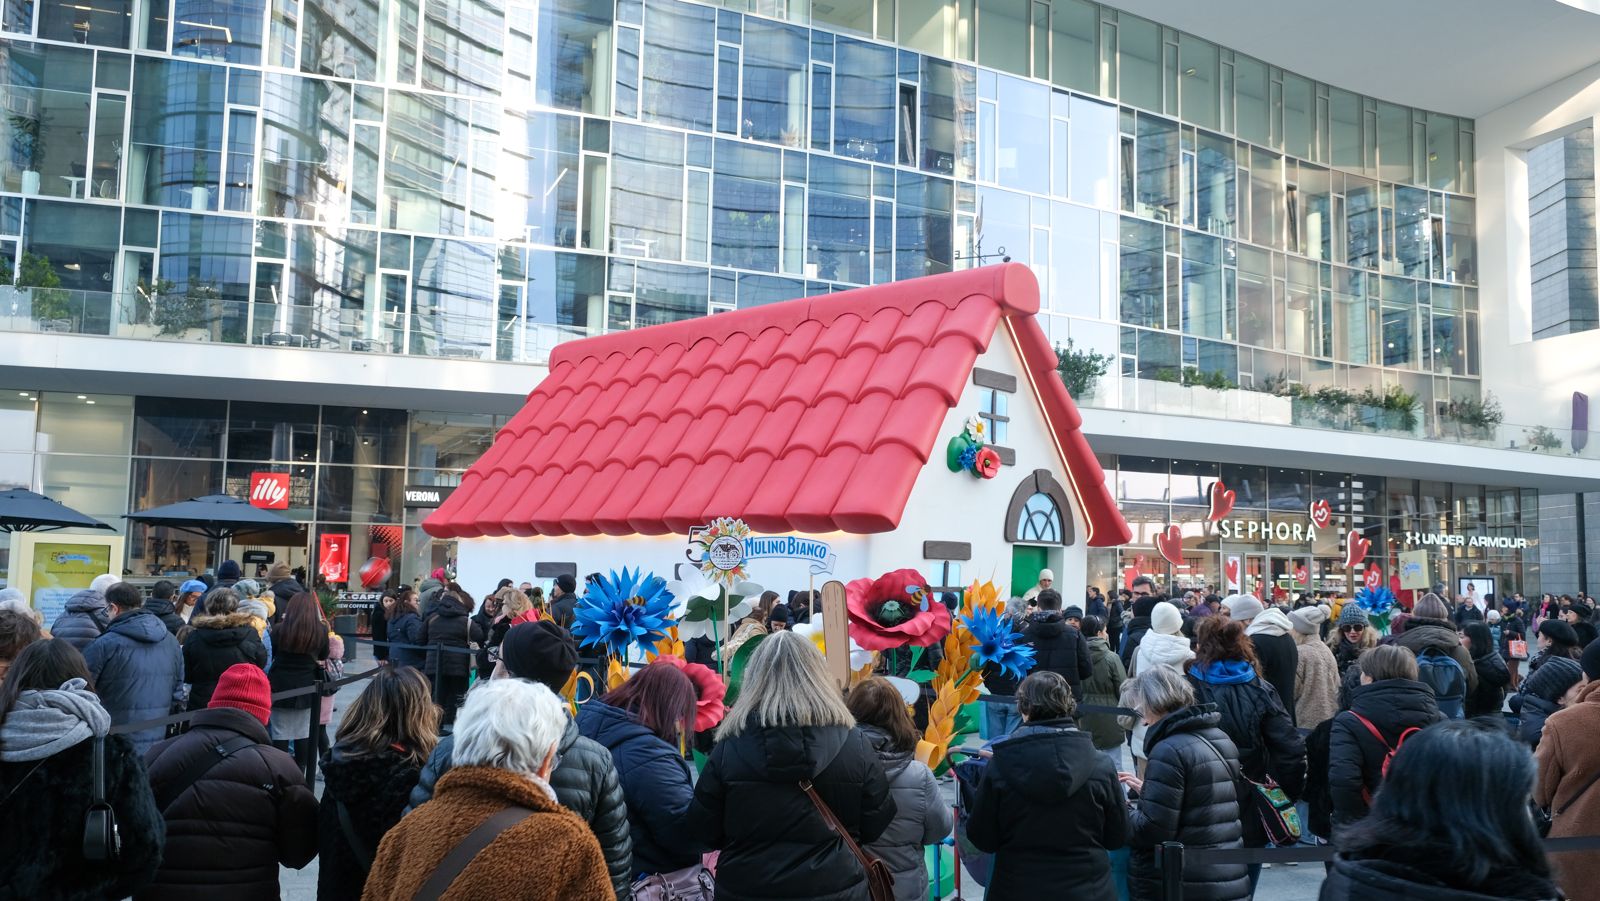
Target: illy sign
x,y
427,495
269,490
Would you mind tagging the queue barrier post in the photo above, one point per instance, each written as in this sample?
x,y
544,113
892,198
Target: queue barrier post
x,y
1169,862
438,673
309,761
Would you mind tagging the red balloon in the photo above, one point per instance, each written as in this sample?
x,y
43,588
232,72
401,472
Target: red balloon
x,y
375,572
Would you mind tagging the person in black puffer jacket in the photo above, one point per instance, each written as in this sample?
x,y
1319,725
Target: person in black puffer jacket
x,y
789,726
385,736
405,628
1489,699
1058,646
281,582
1049,805
85,616
1188,793
450,626
585,781
160,603
1390,699
220,637
1224,674
1271,636
1135,628
656,780
249,814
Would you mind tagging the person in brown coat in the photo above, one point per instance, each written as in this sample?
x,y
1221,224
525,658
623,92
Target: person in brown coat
x,y
1569,767
505,748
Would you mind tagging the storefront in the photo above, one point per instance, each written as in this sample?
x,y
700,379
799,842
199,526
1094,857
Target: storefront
x,y
1260,529
361,478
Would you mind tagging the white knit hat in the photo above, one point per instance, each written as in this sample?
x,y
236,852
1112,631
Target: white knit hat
x,y
1046,574
1166,619
1243,607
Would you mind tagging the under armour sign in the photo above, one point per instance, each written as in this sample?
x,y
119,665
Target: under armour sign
x,y
269,490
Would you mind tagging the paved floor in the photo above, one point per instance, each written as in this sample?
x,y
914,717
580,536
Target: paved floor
x,y
1278,883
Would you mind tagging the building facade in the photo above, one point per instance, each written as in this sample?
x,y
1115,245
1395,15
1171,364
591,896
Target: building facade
x,y
400,206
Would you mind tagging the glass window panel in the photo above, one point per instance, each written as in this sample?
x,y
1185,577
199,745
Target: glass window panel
x,y
461,47
677,64
541,172
1143,277
348,494
864,107
1394,142
1460,240
260,431
1255,300
1074,284
744,209
102,24
17,419
1157,162
305,122
1267,198
922,226
1444,159
1197,68
45,129
80,241
1344,113
16,16
647,192
1204,312
1074,62
1251,99
1139,62
1300,306
94,486
940,27
1023,146
1142,479
1003,35
178,427
363,436
1299,109
425,183
949,102
84,424
573,55
775,82
669,293
1398,326
839,231
1093,154
1215,187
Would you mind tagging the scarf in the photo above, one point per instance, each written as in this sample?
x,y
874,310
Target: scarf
x,y
45,723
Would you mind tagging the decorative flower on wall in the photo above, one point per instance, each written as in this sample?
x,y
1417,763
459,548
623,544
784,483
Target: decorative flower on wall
x,y
968,452
624,609
894,610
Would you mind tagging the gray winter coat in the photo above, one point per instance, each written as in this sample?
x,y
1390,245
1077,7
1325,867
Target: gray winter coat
x,y
138,672
921,818
85,619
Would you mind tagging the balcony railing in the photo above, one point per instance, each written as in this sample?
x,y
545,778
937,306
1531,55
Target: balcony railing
x,y
438,334
1241,405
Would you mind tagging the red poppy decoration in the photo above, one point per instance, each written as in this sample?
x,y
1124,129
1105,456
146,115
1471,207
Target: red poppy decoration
x,y
987,465
893,610
708,689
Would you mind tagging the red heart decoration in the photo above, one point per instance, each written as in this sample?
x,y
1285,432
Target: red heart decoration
x,y
1222,498
1301,576
1355,549
1170,544
1321,514
1231,570
1374,578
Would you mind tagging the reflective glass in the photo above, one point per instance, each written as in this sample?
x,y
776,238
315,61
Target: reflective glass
x,y
179,427
1255,300
864,101
1074,62
573,55
220,30
775,58
1156,195
461,43
744,207
425,183
1203,307
104,23
1197,66
73,423
677,63
1143,280
839,226
1092,156
949,122
668,293
454,299
922,225
1139,62
339,37
1003,35
940,27
1215,188
304,121
1251,99
1023,145
1460,241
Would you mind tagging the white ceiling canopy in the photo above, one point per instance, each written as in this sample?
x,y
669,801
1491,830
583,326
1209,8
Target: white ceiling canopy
x,y
1464,57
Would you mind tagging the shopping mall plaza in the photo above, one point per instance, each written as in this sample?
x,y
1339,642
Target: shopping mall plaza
x,y
1320,252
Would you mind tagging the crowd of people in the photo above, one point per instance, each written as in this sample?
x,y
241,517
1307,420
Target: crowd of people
x,y
462,766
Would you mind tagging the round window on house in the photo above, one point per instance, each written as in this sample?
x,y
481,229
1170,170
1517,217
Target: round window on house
x,y
1040,520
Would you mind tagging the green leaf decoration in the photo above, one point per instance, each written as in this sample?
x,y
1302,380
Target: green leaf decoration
x,y
736,668
700,609
953,451
921,676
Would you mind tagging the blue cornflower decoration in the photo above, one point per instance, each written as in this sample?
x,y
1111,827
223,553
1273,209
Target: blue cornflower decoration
x,y
1376,602
998,642
623,609
969,457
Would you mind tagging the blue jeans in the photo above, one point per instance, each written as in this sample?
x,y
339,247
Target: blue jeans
x,y
1000,720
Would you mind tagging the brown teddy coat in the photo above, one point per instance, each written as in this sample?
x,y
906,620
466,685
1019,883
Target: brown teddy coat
x,y
550,856
1568,758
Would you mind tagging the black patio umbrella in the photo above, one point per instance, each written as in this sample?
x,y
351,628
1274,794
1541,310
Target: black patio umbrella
x,y
22,510
218,516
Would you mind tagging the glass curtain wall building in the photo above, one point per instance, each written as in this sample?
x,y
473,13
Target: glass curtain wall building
x,y
484,178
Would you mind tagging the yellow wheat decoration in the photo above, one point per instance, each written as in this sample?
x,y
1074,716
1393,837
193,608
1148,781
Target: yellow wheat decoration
x,y
954,685
670,646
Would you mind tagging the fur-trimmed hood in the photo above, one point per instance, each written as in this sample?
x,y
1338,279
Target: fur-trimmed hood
x,y
225,621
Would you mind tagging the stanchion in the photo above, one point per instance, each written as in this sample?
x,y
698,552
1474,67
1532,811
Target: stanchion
x,y
1169,861
438,673
310,761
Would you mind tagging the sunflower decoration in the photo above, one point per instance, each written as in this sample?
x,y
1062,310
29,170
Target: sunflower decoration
x,y
895,610
622,610
1379,604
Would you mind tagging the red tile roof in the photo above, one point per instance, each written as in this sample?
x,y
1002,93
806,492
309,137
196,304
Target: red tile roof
x,y
812,415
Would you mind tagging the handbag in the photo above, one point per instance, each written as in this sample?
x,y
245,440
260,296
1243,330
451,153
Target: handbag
x,y
1544,818
101,841
1279,820
880,882
692,883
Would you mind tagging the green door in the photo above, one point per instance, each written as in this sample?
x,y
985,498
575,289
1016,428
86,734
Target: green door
x,y
1026,562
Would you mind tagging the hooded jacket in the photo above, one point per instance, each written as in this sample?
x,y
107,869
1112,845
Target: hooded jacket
x,y
548,856
1489,698
1437,634
1254,719
84,618
1103,690
46,760
138,672
1049,808
1355,756
1132,635
162,607
373,789
1272,634
1188,796
774,842
1157,649
450,626
214,644
1568,758
228,833
1316,682
406,629
585,783
1060,648
656,784
284,589
1405,872
921,817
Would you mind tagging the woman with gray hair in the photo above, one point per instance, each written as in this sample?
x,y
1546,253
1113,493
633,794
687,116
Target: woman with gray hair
x,y
1049,806
789,730
494,828
218,638
1187,794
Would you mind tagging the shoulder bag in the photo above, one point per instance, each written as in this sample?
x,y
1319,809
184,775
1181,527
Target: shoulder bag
x,y
880,882
1273,809
1544,818
691,883
101,842
467,849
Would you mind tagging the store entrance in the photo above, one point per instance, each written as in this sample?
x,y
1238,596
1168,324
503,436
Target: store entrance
x,y
1255,574
1026,561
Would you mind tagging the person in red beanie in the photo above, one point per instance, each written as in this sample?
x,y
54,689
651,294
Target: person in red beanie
x,y
235,806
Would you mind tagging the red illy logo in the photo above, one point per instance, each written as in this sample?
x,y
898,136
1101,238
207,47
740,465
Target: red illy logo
x,y
269,490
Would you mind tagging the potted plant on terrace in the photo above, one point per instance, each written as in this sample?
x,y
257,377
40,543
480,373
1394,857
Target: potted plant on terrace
x,y
178,314
1471,418
1080,369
